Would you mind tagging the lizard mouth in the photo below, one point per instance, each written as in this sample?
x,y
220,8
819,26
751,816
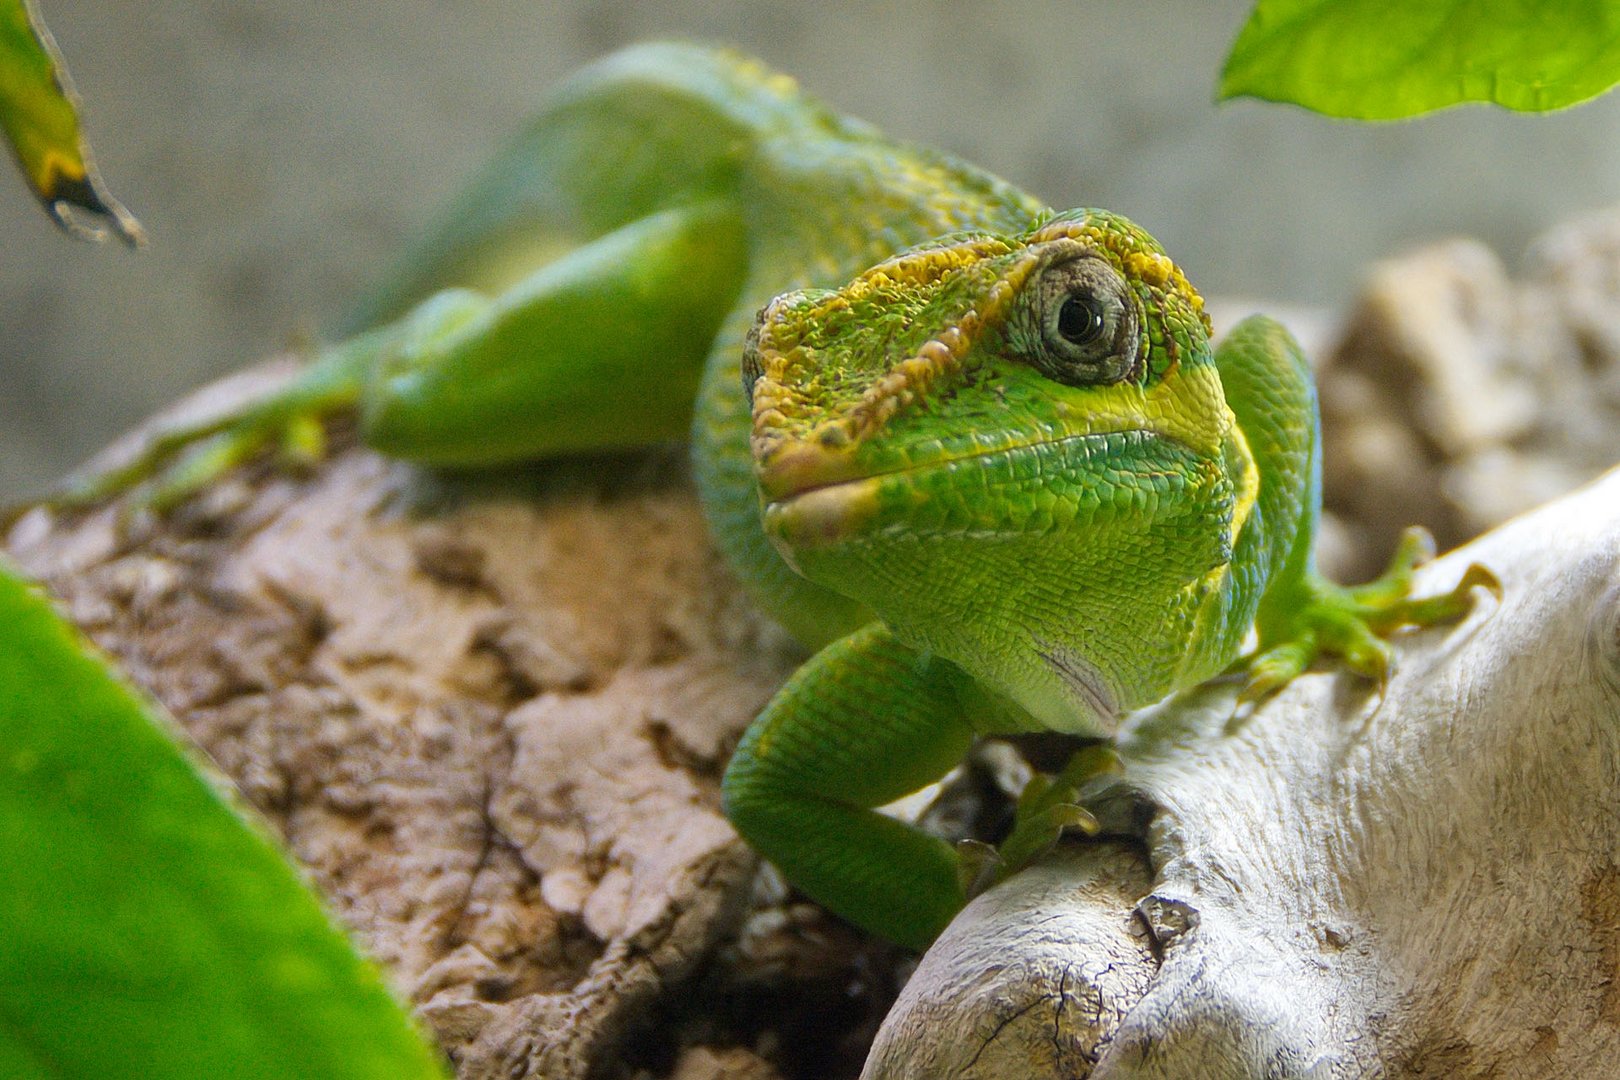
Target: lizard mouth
x,y
806,506
826,513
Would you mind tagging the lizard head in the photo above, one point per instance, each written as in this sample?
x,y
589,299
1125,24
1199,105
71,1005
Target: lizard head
x,y
992,439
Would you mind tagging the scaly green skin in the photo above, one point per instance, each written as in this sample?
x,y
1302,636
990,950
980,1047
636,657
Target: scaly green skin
x,y
911,453
983,526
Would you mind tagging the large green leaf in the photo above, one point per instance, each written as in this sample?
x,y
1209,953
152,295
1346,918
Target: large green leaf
x,y
1372,59
39,120
147,930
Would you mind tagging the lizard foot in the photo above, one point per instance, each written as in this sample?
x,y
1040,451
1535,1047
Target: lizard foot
x,y
180,460
1048,807
1353,622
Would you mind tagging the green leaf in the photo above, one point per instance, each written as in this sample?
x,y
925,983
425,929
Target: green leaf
x,y
1375,60
146,930
40,120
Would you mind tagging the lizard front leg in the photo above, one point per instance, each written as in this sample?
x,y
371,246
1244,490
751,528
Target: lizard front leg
x,y
866,720
1302,615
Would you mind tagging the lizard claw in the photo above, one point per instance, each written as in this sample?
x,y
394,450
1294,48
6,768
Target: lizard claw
x,y
180,460
1274,668
1048,807
978,866
1447,607
1415,547
1354,623
298,442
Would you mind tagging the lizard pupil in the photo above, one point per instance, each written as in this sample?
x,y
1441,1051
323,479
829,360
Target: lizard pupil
x,y
1080,320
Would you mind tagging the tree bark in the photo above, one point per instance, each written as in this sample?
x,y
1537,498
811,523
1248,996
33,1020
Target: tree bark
x,y
489,716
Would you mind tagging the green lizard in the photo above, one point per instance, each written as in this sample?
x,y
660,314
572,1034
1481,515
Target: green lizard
x,y
998,476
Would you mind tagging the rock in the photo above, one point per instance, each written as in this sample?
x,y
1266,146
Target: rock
x,y
1458,397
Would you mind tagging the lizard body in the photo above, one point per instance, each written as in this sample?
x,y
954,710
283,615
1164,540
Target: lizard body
x,y
801,196
984,457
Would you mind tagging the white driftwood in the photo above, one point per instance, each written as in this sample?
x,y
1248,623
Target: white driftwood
x,y
1419,882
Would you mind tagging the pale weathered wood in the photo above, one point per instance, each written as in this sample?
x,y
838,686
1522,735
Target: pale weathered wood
x,y
1423,881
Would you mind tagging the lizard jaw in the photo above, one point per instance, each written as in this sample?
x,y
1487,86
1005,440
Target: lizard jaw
x,y
807,509
823,515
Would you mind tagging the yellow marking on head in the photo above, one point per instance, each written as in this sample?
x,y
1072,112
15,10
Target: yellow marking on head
x,y
923,267
1183,404
911,377
935,359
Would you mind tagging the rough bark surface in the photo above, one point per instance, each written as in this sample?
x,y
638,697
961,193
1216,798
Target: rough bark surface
x,y
489,715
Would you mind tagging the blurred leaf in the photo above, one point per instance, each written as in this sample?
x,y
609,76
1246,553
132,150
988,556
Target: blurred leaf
x,y
39,119
145,929
1372,60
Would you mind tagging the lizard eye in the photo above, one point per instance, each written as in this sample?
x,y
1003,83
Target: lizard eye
x,y
1088,323
1081,320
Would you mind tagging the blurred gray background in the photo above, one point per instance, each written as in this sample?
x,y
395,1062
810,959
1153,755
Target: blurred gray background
x,y
279,151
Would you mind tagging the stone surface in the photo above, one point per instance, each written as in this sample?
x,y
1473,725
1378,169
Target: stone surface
x,y
1458,396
